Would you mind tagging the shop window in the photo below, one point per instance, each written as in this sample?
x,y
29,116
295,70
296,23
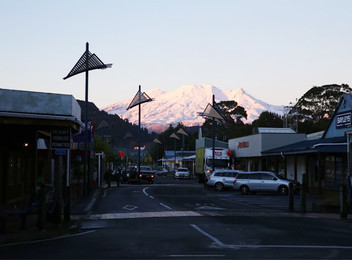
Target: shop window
x,y
330,168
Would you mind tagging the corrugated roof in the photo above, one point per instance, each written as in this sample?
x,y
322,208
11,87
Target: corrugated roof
x,y
337,144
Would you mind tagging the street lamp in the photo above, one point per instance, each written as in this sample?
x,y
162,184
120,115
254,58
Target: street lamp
x,y
183,133
175,137
87,62
214,113
139,99
157,141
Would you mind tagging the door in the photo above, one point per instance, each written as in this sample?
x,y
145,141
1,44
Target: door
x,y
269,182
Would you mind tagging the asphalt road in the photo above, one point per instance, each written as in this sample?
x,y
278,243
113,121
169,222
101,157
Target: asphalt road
x,y
180,219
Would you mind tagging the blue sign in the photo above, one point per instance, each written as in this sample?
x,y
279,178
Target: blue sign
x,y
343,120
60,152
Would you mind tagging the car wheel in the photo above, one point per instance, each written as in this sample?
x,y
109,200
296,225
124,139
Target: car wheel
x,y
219,186
244,190
283,190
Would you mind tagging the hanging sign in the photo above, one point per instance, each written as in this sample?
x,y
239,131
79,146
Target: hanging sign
x,y
60,138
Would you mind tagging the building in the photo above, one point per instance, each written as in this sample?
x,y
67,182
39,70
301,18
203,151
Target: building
x,y
248,150
36,132
172,159
325,160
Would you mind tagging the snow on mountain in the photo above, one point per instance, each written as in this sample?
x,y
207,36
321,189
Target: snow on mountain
x,y
183,105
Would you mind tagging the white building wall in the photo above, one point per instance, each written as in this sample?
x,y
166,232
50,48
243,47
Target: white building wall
x,y
247,146
290,167
301,167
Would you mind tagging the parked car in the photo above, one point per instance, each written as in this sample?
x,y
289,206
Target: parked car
x,y
182,172
161,171
221,179
247,182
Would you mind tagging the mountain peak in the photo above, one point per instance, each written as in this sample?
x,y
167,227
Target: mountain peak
x,y
183,105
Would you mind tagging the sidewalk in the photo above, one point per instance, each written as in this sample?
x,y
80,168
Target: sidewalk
x,y
79,208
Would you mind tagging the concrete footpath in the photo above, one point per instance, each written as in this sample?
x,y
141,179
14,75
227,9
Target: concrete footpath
x,y
79,209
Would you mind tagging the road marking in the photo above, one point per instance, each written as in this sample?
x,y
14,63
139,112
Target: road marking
x,y
205,256
144,191
160,214
130,207
214,239
166,206
49,239
219,244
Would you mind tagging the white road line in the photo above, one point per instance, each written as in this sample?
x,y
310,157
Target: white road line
x,y
144,191
222,245
205,256
158,214
49,239
214,239
166,206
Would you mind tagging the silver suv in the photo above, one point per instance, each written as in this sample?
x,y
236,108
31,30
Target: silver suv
x,y
221,179
261,181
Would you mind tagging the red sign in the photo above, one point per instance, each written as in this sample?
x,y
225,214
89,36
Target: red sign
x,y
228,153
242,145
122,154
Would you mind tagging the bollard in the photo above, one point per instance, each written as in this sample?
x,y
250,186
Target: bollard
x,y
67,205
291,198
303,194
42,208
343,201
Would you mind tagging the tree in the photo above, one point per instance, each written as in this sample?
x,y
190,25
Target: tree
x,y
234,115
320,102
268,119
233,111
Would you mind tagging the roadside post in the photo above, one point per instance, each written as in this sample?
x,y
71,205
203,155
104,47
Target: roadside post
x,y
291,198
303,194
343,201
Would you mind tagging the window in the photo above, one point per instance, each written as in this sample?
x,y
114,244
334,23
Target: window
x,y
242,176
255,176
266,176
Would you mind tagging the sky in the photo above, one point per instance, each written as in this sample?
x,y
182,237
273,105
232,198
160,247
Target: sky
x,y
276,50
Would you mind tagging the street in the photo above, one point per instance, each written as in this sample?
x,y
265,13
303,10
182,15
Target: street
x,y
181,219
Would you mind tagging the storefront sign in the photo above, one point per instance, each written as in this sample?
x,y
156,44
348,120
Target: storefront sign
x,y
343,120
242,145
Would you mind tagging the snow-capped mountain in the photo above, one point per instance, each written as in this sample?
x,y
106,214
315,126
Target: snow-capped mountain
x,y
183,105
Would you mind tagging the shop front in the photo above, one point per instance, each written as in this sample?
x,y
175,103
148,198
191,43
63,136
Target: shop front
x,y
35,130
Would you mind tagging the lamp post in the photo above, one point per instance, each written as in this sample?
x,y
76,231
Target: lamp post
x,y
126,137
157,141
183,133
87,62
175,137
139,99
214,113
